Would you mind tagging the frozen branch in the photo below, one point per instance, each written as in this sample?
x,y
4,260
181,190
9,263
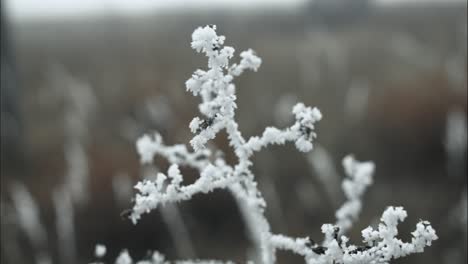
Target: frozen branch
x,y
217,107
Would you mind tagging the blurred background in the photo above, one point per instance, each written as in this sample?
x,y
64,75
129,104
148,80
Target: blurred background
x,y
82,80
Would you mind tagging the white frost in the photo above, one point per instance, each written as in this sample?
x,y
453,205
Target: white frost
x,y
218,105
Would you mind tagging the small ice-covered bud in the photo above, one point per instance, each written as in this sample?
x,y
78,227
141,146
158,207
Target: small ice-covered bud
x,y
298,108
306,115
174,174
305,119
228,51
203,38
423,235
316,114
195,125
195,83
146,187
328,229
100,251
392,215
369,234
303,144
250,60
198,143
224,55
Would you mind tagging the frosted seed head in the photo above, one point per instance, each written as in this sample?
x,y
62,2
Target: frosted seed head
x,y
250,60
204,38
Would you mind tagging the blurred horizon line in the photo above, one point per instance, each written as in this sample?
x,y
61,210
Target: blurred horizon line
x,y
53,10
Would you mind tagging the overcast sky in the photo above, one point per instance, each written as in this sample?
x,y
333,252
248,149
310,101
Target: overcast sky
x,y
27,9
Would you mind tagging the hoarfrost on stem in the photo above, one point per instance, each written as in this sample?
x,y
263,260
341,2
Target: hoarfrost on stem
x,y
218,105
359,177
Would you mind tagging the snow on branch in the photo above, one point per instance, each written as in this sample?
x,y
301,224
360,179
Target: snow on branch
x,y
217,91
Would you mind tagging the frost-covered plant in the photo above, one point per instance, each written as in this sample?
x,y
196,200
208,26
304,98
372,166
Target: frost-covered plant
x,y
218,105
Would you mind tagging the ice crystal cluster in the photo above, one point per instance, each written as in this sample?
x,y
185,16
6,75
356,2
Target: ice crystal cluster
x,y
218,104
